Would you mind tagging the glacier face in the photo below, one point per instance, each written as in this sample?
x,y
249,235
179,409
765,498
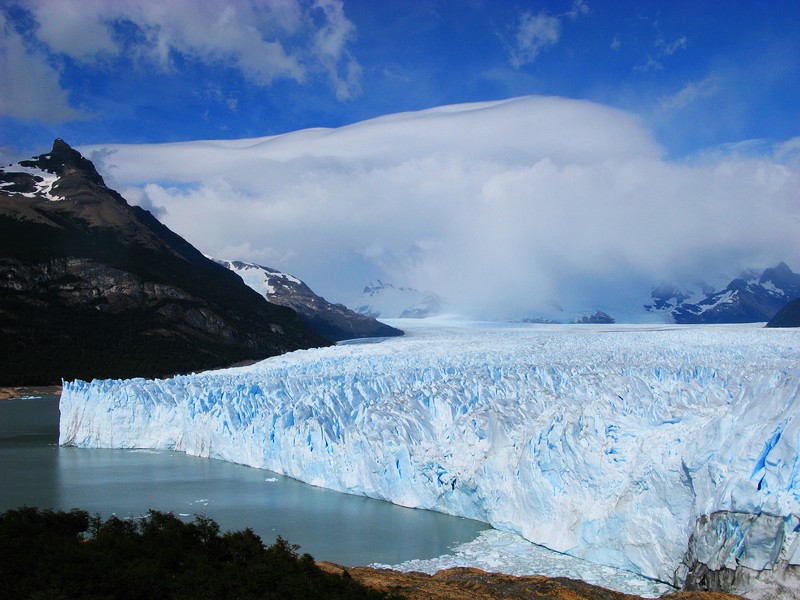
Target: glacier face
x,y
608,443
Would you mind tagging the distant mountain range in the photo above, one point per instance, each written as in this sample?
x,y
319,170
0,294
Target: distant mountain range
x,y
91,287
752,298
334,321
380,299
597,318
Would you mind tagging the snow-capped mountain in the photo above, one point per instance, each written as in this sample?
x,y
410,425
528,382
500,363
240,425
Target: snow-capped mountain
x,y
334,321
380,299
751,298
666,298
668,451
93,287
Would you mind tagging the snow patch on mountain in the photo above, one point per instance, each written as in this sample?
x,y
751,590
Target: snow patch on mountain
x,y
334,321
264,280
29,182
608,443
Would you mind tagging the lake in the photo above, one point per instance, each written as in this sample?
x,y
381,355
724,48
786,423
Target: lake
x,y
349,530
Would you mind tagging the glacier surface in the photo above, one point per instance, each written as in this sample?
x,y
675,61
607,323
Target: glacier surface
x,y
608,443
496,551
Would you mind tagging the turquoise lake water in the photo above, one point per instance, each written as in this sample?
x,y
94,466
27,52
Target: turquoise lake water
x,y
349,530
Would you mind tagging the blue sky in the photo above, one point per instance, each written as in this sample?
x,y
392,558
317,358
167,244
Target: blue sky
x,y
698,73
587,150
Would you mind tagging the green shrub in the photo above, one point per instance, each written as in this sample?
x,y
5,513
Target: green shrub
x,y
65,555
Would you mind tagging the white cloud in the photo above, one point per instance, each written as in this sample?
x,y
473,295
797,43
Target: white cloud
x,y
534,33
30,86
579,8
330,45
663,49
265,40
669,48
648,64
139,197
789,152
79,29
503,208
235,32
691,92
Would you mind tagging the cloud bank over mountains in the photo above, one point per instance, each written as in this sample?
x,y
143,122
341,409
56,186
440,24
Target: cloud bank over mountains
x,y
508,208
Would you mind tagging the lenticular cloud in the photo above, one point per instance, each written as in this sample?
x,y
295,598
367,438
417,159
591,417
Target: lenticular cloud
x,y
534,205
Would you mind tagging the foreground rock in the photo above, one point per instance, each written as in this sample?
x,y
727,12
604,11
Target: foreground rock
x,y
93,287
474,584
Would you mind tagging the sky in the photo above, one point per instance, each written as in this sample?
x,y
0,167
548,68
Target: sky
x,y
591,149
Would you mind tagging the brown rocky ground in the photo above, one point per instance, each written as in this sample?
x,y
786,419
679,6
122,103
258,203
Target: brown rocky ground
x,y
473,584
21,392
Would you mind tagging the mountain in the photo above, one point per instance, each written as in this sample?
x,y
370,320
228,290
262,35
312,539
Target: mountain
x,y
788,316
381,299
597,318
665,298
751,298
334,321
93,287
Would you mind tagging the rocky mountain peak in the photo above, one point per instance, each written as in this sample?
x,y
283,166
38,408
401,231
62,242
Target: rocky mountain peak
x,y
93,287
62,160
751,298
781,276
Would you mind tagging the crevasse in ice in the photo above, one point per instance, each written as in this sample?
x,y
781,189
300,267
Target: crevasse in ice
x,y
604,443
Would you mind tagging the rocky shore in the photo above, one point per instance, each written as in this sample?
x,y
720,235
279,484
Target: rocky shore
x,y
24,392
473,584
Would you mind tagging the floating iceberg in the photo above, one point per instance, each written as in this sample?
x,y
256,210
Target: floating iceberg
x,y
669,451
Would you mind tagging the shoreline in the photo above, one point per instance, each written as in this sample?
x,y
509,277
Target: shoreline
x,y
9,393
477,584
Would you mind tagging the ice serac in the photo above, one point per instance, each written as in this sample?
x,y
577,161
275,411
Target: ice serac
x,y
662,450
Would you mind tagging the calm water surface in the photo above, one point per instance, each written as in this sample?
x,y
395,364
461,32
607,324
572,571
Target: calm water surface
x,y
350,530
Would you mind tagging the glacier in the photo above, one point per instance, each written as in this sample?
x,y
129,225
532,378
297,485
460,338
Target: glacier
x,y
496,551
670,451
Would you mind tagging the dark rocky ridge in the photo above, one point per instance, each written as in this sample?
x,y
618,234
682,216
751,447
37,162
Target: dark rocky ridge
x,y
92,287
334,321
788,316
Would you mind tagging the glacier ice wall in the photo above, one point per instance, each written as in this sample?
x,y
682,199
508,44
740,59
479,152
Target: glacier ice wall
x,y
605,443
